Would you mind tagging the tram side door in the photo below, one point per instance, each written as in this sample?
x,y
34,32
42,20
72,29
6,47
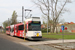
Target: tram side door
x,y
25,28
16,30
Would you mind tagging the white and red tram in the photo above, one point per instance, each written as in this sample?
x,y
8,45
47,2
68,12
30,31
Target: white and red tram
x,y
30,29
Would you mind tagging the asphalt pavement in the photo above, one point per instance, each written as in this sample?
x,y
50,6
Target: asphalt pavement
x,y
14,43
9,45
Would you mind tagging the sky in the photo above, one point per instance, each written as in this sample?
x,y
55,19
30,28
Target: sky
x,y
8,6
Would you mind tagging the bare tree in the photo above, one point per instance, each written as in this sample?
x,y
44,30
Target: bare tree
x,y
45,8
58,8
52,9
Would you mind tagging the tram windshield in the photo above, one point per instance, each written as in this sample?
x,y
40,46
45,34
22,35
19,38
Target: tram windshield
x,y
34,26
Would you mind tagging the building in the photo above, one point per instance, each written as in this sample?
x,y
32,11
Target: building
x,y
1,29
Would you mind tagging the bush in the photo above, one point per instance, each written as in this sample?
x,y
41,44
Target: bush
x,y
45,30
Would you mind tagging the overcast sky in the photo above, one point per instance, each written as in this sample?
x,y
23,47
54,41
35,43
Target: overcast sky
x,y
8,6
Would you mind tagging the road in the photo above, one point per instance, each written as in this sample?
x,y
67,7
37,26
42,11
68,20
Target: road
x,y
8,43
14,43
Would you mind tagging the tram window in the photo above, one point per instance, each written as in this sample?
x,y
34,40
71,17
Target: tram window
x,y
12,29
17,29
34,27
21,27
30,27
6,28
25,27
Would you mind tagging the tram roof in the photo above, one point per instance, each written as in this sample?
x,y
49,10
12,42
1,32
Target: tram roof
x,y
18,24
7,26
11,26
33,19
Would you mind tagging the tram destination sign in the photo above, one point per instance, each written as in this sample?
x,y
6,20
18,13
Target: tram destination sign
x,y
36,22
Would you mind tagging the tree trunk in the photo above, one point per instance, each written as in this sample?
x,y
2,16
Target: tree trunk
x,y
53,27
50,27
56,30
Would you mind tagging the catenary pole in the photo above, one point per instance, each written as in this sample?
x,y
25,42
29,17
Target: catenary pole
x,y
22,13
47,25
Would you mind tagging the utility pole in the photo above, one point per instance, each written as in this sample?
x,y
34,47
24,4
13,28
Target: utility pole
x,y
4,29
22,13
8,21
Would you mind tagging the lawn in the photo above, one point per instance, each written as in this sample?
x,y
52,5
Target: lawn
x,y
58,33
59,36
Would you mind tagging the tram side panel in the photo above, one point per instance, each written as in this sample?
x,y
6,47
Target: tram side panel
x,y
8,30
12,30
18,30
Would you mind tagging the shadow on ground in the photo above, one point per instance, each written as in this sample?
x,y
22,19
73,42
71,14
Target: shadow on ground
x,y
43,39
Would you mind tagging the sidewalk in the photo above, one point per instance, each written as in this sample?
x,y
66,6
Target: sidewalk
x,y
46,42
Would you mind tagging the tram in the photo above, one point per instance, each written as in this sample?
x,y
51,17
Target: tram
x,y
30,29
